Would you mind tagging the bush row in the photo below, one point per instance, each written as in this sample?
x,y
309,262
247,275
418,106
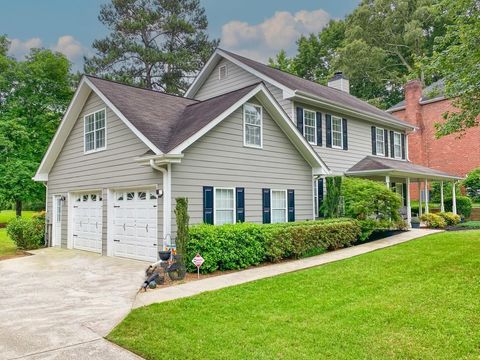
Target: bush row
x,y
238,246
440,220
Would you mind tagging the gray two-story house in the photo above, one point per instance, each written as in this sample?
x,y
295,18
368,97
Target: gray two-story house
x,y
247,143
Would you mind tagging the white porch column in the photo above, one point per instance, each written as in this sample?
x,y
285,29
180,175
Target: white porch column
x,y
387,181
454,199
409,208
426,196
420,211
442,205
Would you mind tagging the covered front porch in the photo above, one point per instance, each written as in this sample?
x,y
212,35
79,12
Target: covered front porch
x,y
400,176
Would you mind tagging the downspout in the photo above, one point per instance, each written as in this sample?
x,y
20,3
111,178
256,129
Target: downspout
x,y
167,206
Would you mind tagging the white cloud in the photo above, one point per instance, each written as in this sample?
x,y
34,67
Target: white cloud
x,y
19,48
264,40
70,47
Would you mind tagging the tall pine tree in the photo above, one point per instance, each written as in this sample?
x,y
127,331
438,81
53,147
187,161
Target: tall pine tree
x,y
157,44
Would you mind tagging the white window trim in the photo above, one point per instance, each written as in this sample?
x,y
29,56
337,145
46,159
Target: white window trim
x,y
261,127
400,144
341,132
286,205
215,207
314,126
220,71
376,141
94,139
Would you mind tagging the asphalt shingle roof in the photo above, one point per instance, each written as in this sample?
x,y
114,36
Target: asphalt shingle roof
x,y
166,120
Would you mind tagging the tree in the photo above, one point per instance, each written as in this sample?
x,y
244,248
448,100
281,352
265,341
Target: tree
x,y
33,96
157,44
456,59
331,205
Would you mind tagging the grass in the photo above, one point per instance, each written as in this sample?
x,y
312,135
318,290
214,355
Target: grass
x,y
7,246
7,215
417,300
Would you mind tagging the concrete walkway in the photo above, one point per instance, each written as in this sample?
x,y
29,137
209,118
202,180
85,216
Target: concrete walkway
x,y
241,277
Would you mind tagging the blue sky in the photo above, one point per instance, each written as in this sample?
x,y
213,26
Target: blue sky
x,y
256,28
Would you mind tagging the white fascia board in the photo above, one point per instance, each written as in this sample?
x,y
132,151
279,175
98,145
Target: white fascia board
x,y
202,75
117,112
301,96
401,173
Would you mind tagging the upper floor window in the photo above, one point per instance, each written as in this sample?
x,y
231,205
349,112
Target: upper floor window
x,y
337,132
95,131
380,141
397,145
279,206
224,206
252,122
310,126
222,72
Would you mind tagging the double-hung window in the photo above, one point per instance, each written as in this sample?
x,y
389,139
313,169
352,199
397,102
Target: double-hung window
x,y
310,126
224,206
397,145
279,206
337,132
252,121
380,141
95,131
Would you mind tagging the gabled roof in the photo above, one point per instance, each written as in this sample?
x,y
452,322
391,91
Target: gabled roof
x,y
433,92
168,124
297,86
372,165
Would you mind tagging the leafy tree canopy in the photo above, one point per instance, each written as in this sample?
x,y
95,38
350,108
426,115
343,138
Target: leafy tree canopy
x,y
157,44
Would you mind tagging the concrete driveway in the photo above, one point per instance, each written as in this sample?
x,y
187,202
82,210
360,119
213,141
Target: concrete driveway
x,y
58,304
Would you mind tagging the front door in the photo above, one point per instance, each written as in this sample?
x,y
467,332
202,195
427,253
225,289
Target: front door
x,y
57,221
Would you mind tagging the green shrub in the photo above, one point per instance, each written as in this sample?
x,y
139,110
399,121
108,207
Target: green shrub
x,y
464,206
472,184
182,219
367,199
238,246
27,234
450,218
433,221
331,205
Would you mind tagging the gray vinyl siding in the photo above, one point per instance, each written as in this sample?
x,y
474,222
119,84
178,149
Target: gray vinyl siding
x,y
219,159
112,168
359,142
237,78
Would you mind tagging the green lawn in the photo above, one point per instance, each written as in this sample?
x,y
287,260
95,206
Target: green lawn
x,y
418,300
7,246
7,215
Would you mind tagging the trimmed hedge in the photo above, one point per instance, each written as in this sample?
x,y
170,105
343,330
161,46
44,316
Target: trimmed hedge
x,y
433,221
238,246
27,234
464,206
450,218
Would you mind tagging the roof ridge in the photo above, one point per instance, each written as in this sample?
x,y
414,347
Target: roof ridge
x,y
139,88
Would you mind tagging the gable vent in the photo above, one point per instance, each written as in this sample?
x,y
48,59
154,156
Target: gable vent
x,y
222,72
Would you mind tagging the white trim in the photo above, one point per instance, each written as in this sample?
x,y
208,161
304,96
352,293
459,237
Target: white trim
x,y
215,207
54,220
286,205
376,140
261,126
401,173
341,132
395,156
70,221
109,222
85,152
198,81
220,72
314,126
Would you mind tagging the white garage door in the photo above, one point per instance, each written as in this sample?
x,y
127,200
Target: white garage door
x,y
87,221
135,225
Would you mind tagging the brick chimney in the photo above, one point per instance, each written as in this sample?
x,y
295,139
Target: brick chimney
x,y
413,114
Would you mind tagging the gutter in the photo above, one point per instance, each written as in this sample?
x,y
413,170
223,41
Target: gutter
x,y
344,109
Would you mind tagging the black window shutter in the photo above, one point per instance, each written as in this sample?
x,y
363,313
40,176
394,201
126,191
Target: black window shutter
x,y
392,186
208,205
385,136
291,205
320,195
403,146
345,134
266,211
392,145
404,194
374,140
300,119
319,128
240,204
328,127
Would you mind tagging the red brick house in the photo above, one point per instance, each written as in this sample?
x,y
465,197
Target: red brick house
x,y
423,107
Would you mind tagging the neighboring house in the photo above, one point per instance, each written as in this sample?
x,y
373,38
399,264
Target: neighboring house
x,y
423,107
247,143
